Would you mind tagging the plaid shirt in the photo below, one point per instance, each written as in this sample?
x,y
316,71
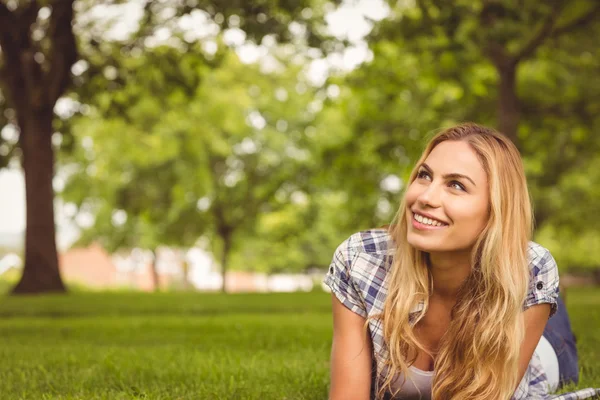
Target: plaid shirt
x,y
357,276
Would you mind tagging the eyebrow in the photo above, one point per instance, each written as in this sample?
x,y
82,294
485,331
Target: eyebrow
x,y
449,176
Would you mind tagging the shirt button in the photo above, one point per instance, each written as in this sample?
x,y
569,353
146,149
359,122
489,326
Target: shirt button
x,y
539,286
331,269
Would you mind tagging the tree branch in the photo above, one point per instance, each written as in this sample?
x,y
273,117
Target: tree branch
x,y
6,26
32,75
499,56
28,15
6,17
6,21
426,16
63,53
10,68
541,36
577,23
549,30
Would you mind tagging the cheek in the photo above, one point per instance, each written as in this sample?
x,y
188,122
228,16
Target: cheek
x,y
412,192
471,215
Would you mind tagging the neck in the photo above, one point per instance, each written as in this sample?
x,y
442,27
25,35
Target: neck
x,y
448,272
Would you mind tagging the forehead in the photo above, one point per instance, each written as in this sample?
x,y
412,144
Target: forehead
x,y
456,157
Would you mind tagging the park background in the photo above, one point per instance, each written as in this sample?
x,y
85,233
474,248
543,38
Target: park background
x,y
150,148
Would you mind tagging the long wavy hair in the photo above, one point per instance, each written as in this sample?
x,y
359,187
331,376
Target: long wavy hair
x,y
478,356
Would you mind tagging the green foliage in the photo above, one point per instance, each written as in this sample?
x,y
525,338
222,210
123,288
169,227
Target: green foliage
x,y
168,127
297,237
258,19
128,145
205,158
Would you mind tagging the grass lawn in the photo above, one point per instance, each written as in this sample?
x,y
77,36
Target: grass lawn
x,y
192,346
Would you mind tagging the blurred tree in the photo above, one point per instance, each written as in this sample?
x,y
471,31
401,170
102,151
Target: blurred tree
x,y
256,18
126,171
204,158
527,68
297,237
38,50
544,57
505,34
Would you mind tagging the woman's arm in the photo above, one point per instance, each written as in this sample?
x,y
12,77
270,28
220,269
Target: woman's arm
x,y
535,322
350,355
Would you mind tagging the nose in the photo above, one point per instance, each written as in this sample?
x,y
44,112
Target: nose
x,y
430,197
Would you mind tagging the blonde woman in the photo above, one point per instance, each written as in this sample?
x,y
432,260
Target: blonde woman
x,y
452,300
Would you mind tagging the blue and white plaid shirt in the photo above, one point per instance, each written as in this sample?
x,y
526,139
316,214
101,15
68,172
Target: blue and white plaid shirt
x,y
357,276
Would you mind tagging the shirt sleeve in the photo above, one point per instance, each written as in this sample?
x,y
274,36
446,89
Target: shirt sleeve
x,y
543,285
339,279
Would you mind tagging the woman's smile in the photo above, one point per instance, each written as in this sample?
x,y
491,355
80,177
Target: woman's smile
x,y
426,224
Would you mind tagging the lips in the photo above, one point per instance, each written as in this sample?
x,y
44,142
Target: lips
x,y
422,214
420,226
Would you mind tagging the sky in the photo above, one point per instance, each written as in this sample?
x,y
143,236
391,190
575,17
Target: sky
x,y
348,21
12,200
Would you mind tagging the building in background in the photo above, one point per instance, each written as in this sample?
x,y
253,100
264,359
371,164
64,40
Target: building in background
x,y
91,267
194,269
94,268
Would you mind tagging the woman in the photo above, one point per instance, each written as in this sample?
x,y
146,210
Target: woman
x,y
451,302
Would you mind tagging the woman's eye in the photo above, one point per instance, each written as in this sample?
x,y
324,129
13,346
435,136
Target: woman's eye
x,y
457,185
423,174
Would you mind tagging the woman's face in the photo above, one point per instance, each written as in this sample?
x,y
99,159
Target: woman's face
x,y
448,202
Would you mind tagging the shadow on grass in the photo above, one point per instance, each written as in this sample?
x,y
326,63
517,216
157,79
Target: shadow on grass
x,y
130,304
142,313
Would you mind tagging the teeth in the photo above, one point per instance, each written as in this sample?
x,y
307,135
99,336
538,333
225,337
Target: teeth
x,y
427,221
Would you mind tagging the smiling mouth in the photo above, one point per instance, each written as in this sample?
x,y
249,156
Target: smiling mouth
x,y
427,222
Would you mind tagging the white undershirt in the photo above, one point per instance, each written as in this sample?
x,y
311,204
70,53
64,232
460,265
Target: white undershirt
x,y
417,389
547,356
420,386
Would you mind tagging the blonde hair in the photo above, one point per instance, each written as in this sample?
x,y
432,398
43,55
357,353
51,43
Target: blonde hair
x,y
478,356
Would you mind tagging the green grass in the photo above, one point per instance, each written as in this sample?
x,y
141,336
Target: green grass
x,y
191,346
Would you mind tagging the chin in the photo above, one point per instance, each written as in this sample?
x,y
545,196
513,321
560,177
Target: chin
x,y
422,244
432,246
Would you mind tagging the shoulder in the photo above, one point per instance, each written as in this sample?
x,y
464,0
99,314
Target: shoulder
x,y
537,253
366,254
541,263
368,242
359,269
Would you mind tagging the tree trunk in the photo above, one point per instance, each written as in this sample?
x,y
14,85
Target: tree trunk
x,y
40,273
224,258
509,112
32,87
154,271
185,270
